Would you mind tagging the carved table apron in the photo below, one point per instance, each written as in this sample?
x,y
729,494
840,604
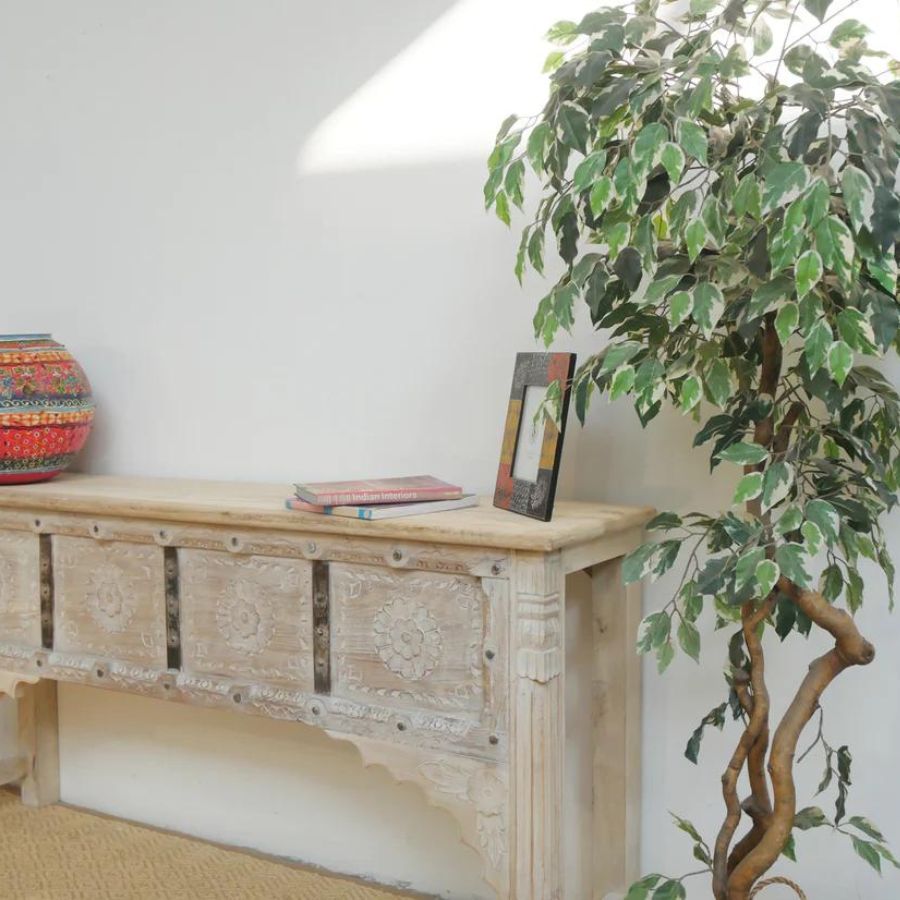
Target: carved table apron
x,y
436,644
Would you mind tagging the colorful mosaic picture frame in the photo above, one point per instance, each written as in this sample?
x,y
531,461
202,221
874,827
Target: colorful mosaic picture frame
x,y
529,462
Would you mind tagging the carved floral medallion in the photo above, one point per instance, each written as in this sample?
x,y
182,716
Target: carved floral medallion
x,y
407,638
245,617
110,600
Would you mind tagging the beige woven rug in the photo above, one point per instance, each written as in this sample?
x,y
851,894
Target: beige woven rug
x,y
59,853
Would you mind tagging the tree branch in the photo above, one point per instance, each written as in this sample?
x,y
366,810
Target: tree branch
x,y
758,806
782,437
748,745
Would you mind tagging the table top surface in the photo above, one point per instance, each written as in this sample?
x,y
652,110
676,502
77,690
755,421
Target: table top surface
x,y
253,505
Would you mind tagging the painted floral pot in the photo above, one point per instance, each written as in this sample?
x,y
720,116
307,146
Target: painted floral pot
x,y
46,408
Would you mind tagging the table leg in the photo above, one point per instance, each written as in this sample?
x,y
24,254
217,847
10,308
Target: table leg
x,y
617,730
538,728
39,743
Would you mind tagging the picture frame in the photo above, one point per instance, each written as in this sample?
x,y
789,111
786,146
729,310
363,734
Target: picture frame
x,y
530,455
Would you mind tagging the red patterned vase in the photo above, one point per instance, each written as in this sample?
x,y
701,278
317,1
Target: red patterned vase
x,y
46,408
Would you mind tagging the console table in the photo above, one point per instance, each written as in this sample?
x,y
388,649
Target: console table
x,y
436,644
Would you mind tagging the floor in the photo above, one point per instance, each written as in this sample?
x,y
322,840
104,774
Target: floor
x,y
60,853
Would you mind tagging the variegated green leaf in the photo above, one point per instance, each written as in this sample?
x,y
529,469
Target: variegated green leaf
x,y
680,305
622,382
693,140
602,193
673,161
745,570
691,391
839,361
749,488
855,329
696,236
807,272
777,482
744,454
792,560
709,304
818,343
822,514
767,573
786,321
859,195
648,144
768,295
589,169
812,538
748,198
718,382
790,520
785,182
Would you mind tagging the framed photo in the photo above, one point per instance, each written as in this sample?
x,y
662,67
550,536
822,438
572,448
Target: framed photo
x,y
532,448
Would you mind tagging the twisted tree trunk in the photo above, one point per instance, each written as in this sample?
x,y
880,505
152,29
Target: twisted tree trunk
x,y
850,649
735,871
754,739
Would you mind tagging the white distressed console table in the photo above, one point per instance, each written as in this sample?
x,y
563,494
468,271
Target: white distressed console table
x,y
436,644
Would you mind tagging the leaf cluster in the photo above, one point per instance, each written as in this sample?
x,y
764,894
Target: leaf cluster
x,y
700,203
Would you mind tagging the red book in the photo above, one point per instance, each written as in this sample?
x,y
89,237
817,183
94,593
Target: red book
x,y
378,490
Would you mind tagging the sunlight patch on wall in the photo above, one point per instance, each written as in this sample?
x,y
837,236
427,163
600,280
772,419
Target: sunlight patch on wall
x,y
444,96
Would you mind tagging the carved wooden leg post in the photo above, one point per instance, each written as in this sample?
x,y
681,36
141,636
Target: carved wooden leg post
x,y
617,730
39,744
538,728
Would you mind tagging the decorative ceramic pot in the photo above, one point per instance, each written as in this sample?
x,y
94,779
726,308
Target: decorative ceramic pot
x,y
46,408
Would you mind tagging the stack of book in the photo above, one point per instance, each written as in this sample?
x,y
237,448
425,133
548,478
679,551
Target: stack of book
x,y
383,498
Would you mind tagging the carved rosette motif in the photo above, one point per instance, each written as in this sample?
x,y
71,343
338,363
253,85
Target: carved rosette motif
x,y
249,617
110,600
485,790
407,638
245,617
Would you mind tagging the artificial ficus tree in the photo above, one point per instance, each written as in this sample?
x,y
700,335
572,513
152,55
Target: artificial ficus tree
x,y
726,205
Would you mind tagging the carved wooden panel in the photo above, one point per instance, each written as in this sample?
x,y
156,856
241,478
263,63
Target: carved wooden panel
x,y
20,599
247,617
408,638
109,600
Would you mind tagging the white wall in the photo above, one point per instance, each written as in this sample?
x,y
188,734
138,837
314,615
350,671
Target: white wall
x,y
259,226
